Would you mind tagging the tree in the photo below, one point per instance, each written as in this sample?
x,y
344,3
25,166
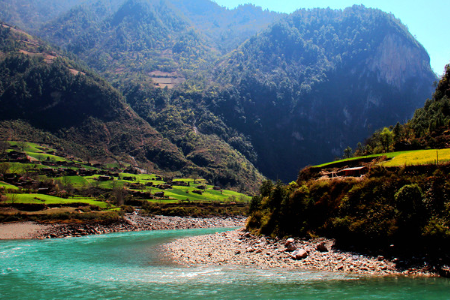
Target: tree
x,y
386,137
21,145
348,152
266,188
119,194
3,147
4,168
194,175
66,184
360,147
13,198
409,203
397,131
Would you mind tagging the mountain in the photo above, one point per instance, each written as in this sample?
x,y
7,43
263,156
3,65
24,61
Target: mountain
x,y
279,91
29,14
51,93
319,81
226,28
170,41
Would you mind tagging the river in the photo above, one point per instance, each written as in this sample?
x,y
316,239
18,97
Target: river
x,y
132,266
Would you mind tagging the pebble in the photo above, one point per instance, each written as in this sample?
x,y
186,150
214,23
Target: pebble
x,y
136,222
248,250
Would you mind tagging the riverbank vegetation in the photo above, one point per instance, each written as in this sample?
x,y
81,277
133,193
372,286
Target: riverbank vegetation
x,y
390,209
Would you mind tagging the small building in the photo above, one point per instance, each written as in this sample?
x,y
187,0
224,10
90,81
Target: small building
x,y
164,186
71,172
135,186
353,172
104,178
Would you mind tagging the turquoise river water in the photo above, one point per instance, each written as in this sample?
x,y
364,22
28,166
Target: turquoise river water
x,y
133,266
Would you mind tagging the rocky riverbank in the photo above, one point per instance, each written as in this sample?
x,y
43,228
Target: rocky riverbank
x,y
136,222
245,249
23,230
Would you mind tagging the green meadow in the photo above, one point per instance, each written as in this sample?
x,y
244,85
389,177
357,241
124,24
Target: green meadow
x,y
421,157
401,158
47,199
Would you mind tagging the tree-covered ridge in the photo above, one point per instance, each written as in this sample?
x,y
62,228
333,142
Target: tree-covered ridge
x,y
319,79
70,102
225,28
139,37
435,115
202,137
308,43
31,14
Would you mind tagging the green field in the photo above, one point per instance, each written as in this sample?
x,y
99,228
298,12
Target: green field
x,y
45,156
174,195
401,158
388,155
179,193
7,186
420,157
31,147
46,199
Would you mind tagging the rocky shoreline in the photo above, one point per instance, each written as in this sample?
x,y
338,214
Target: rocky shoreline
x,y
136,222
242,248
245,249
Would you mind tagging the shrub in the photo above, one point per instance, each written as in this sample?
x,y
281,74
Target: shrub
x,y
409,200
127,209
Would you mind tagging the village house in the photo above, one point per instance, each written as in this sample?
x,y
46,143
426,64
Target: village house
x,y
353,172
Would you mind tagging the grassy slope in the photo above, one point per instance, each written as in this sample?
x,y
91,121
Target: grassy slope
x,y
7,186
422,157
46,199
177,193
401,158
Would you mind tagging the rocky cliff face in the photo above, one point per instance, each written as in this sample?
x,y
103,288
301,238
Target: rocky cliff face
x,y
397,60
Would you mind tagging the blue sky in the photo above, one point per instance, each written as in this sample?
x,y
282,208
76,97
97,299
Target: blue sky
x,y
428,21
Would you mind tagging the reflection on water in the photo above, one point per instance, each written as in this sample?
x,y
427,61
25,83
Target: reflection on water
x,y
132,266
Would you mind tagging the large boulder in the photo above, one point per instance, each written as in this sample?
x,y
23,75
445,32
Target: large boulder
x,y
290,244
299,254
322,247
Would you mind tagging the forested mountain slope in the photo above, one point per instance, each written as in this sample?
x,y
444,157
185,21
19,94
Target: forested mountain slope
x,y
283,91
319,81
161,39
52,93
